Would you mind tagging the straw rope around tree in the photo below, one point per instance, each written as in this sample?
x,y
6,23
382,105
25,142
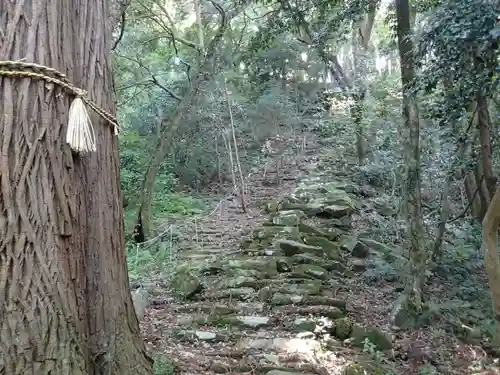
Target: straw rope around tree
x,y
80,135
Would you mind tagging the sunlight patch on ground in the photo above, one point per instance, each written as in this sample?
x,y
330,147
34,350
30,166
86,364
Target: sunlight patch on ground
x,y
308,350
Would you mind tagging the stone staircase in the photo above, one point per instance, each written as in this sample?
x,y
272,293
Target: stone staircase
x,y
220,231
282,304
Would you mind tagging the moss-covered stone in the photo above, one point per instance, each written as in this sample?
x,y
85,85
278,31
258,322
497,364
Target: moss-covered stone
x,y
348,242
307,288
307,258
330,249
291,248
377,337
287,218
279,299
185,283
310,270
343,328
304,325
238,282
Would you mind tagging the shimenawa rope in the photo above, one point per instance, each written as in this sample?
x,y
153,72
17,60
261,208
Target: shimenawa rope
x,y
80,135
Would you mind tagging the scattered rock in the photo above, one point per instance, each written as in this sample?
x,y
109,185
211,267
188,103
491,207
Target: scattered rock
x,y
238,293
360,250
285,299
331,312
238,282
331,250
304,325
287,218
140,298
280,372
348,242
306,288
200,335
220,367
254,321
358,265
282,265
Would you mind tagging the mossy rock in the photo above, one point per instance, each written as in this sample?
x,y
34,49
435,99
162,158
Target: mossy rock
x,y
377,337
238,282
310,271
310,230
330,249
242,294
307,288
271,207
287,218
185,283
264,266
266,234
388,252
280,299
304,325
343,222
355,369
291,247
359,369
343,328
348,242
307,258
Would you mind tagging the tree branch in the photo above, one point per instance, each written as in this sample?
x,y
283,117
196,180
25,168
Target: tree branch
x,y
153,79
169,29
122,31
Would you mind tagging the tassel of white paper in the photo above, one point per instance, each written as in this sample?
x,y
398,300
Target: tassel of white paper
x,y
80,136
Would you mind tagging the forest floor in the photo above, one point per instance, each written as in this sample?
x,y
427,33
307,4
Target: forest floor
x,y
252,295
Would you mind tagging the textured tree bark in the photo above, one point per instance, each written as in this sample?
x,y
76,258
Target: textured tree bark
x,y
484,126
491,223
65,305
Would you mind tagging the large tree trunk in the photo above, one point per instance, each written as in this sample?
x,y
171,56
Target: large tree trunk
x,y
65,304
491,224
484,126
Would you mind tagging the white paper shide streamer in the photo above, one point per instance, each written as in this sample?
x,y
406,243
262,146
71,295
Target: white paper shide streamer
x,y
80,136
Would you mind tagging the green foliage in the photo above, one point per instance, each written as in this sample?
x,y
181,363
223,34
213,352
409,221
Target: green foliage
x,y
273,73
158,258
162,366
452,64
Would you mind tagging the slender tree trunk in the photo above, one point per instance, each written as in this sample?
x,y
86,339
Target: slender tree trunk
x,y
361,35
65,303
199,27
236,151
437,251
412,194
171,124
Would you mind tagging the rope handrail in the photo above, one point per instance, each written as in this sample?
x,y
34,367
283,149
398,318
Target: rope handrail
x,y
171,226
